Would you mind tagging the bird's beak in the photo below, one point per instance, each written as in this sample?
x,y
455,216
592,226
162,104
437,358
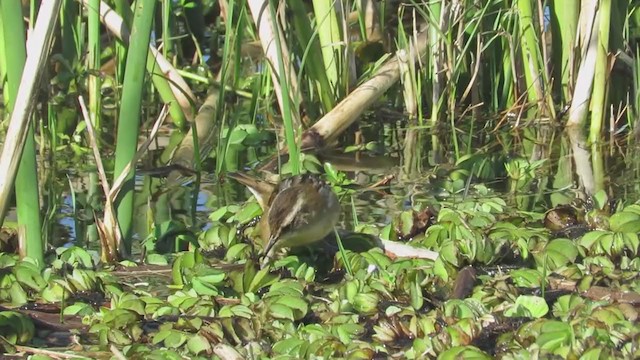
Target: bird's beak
x,y
272,242
267,250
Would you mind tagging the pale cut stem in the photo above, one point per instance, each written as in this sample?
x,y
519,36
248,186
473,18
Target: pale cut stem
x,y
348,110
38,46
267,28
584,83
108,228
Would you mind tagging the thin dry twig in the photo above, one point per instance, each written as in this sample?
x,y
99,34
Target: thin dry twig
x,y
50,353
117,353
117,184
94,146
382,182
110,235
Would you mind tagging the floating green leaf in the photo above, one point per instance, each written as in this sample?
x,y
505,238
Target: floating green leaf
x,y
463,352
625,222
528,306
16,327
558,252
198,344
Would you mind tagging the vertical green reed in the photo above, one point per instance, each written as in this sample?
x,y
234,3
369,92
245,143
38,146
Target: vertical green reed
x,y
131,111
635,101
328,26
163,88
410,79
26,183
159,79
311,62
34,6
435,34
3,64
289,131
507,95
71,34
599,169
123,9
95,99
228,67
598,98
167,42
343,253
564,22
530,52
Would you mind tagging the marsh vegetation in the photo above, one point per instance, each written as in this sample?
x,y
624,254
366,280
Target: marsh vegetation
x,y
429,179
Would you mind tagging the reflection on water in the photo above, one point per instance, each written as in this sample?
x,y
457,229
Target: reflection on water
x,y
534,169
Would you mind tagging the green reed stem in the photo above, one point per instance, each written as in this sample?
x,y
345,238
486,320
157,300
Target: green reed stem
x,y
343,253
70,34
330,37
123,9
289,131
158,78
3,64
227,67
26,182
507,97
167,41
130,112
311,59
530,52
95,97
600,87
636,87
93,63
167,95
564,22
434,9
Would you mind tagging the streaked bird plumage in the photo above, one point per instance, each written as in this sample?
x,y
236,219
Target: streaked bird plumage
x,y
298,211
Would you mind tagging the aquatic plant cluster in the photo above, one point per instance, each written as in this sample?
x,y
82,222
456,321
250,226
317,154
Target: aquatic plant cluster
x,y
528,293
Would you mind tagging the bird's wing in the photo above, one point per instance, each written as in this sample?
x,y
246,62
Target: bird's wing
x,y
286,206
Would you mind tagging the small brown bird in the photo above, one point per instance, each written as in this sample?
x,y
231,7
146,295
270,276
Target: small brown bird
x,y
298,211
